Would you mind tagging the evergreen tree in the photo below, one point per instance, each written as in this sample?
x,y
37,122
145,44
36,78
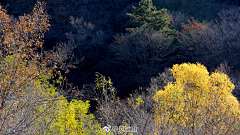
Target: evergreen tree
x,y
147,16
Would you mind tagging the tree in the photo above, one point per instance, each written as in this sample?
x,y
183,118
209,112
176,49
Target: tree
x,y
196,103
73,119
148,17
24,85
29,104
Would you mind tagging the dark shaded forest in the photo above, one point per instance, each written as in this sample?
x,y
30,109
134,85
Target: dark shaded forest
x,y
107,19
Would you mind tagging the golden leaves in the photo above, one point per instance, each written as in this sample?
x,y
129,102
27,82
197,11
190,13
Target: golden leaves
x,y
195,97
24,56
19,41
23,72
29,29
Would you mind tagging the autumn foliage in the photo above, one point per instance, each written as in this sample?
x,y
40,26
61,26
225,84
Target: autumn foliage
x,y
26,34
32,98
19,41
196,103
193,25
191,30
29,104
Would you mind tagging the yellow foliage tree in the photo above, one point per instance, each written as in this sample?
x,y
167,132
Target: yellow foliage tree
x,y
23,79
29,104
196,103
73,119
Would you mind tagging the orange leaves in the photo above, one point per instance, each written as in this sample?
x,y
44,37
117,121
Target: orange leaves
x,y
193,25
171,19
4,18
191,31
23,72
27,32
24,56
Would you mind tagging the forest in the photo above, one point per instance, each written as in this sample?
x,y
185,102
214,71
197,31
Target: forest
x,y
121,67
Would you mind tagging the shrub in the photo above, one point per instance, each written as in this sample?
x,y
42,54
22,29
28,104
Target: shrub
x,y
196,103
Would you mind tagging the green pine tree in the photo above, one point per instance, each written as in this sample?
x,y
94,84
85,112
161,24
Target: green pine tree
x,y
147,16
